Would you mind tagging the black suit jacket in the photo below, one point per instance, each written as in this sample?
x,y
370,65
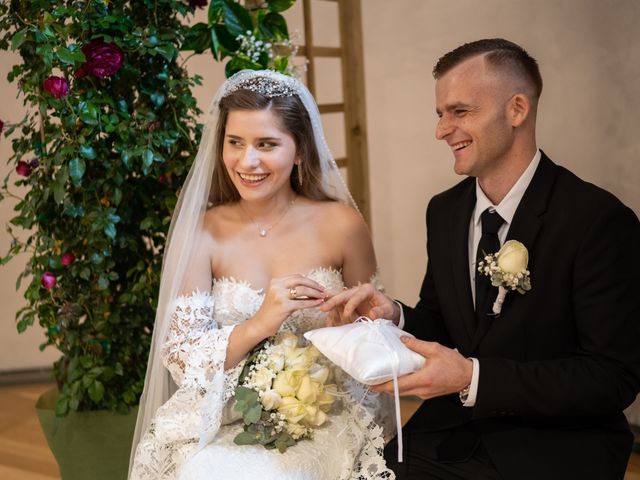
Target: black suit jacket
x,y
561,362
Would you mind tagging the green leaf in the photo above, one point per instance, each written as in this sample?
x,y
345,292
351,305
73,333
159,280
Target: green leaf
x,y
236,18
110,231
147,157
215,12
77,168
280,5
88,113
253,413
85,273
277,24
70,57
96,391
88,151
103,282
167,51
18,38
62,407
245,438
225,39
197,38
157,98
60,183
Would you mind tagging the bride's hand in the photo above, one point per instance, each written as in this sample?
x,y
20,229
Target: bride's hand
x,y
284,295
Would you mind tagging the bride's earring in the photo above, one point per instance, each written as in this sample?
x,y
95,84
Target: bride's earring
x,y
299,175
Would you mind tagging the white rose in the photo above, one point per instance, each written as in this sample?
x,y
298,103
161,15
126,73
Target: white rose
x,y
271,400
513,257
261,379
315,417
296,430
319,373
292,409
298,359
287,340
308,390
276,358
286,383
325,399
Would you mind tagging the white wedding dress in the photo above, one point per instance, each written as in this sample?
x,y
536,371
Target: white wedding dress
x,y
191,436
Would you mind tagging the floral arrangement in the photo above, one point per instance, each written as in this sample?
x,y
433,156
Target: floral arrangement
x,y
507,270
109,135
283,393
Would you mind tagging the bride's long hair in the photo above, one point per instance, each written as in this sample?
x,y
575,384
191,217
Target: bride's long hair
x,y
294,120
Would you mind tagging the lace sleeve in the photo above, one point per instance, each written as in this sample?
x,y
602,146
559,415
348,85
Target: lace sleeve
x,y
194,353
192,323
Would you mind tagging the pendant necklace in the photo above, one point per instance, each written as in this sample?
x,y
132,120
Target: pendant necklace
x,y
263,231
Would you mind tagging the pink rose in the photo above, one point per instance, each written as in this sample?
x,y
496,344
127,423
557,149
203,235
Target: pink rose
x,y
48,280
102,59
67,259
23,169
56,86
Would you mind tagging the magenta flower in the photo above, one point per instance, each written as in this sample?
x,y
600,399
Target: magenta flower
x,y
56,86
67,259
34,163
48,280
23,169
103,59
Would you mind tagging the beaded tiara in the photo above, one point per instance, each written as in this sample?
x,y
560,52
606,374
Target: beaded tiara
x,y
267,83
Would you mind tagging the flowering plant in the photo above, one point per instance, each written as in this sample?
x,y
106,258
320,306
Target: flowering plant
x,y
283,393
507,270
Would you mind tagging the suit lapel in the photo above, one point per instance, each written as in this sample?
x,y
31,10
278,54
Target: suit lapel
x,y
524,228
461,218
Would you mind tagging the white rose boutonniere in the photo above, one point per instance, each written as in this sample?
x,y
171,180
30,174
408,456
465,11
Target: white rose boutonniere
x,y
507,270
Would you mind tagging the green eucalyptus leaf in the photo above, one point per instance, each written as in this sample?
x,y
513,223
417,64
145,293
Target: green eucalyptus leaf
x,y
245,438
252,414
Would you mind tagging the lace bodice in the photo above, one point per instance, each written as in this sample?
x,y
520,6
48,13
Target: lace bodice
x,y
193,420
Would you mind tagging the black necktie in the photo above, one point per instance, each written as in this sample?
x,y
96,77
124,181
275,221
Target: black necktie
x,y
489,243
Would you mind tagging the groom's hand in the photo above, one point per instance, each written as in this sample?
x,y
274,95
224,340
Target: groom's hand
x,y
444,371
365,300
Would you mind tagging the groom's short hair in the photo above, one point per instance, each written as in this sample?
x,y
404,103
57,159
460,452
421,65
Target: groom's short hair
x,y
499,53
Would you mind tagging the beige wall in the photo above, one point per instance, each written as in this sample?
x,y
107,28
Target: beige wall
x,y
588,52
587,49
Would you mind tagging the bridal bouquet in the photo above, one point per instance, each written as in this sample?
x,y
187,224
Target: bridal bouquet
x,y
283,393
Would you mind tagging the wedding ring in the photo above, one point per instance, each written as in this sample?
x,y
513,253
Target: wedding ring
x,y
293,293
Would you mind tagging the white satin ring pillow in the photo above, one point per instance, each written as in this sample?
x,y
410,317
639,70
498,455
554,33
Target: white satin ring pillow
x,y
368,350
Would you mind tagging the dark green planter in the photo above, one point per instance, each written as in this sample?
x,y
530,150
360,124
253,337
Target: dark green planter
x,y
87,445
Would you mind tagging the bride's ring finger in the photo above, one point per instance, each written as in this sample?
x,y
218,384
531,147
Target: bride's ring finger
x,y
293,293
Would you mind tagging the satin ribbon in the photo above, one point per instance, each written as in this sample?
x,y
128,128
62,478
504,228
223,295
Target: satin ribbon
x,y
375,325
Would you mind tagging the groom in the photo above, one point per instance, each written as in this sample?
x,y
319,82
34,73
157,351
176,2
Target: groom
x,y
537,391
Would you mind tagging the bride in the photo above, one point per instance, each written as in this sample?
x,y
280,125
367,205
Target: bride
x,y
265,230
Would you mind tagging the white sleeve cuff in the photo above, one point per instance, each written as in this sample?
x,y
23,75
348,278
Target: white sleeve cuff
x,y
401,321
473,388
